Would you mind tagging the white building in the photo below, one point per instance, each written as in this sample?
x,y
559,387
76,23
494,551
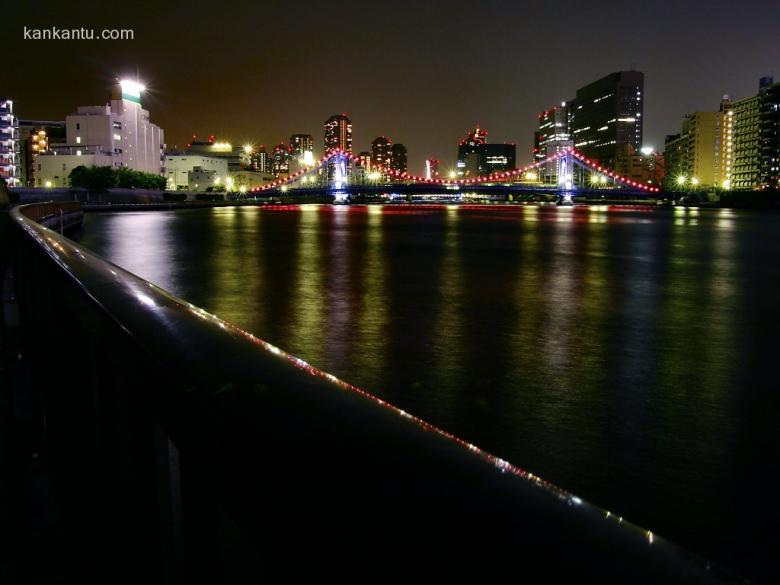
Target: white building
x,y
179,166
10,161
118,134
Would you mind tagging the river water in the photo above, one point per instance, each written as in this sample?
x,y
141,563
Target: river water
x,y
626,354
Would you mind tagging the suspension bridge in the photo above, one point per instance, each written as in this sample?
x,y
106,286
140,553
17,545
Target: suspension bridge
x,y
341,174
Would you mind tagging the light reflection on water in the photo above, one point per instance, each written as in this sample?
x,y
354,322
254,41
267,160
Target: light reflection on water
x,y
623,353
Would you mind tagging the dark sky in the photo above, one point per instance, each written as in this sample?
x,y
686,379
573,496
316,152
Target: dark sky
x,y
420,72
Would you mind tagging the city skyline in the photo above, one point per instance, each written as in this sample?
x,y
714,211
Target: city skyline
x,y
481,78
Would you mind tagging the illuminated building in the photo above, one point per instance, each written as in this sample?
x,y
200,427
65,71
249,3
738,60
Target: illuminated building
x,y
300,144
724,150
10,160
553,129
551,137
118,134
495,158
381,152
180,167
259,161
280,160
478,158
693,152
338,133
769,136
606,114
467,149
34,138
745,154
645,166
398,158
364,160
431,168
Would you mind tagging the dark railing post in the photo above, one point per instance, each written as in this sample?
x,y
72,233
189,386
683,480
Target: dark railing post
x,y
201,520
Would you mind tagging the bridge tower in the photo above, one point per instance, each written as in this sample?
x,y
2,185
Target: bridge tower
x,y
339,165
565,164
339,170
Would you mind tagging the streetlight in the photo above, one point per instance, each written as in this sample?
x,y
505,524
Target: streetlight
x,y
681,180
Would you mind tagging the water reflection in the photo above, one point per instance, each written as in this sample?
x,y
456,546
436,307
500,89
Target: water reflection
x,y
623,353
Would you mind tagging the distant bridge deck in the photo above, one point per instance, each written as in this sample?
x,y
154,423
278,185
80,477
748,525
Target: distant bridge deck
x,y
491,190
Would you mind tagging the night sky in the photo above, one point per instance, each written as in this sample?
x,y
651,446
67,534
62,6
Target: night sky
x,y
421,73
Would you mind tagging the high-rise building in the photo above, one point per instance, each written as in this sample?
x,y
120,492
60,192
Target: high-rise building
x,y
691,156
552,131
259,161
431,168
381,152
750,148
724,152
606,114
280,160
769,134
467,152
478,158
10,158
496,158
118,134
551,137
364,160
745,153
300,144
398,158
338,133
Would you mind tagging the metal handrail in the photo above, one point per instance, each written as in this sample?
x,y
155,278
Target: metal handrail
x,y
322,476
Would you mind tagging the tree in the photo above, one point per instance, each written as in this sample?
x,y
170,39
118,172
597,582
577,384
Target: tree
x,y
98,179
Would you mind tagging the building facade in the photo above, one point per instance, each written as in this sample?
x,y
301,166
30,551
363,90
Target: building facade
x,y
364,161
180,166
118,134
398,158
691,156
10,158
745,144
646,166
338,133
553,130
431,168
468,158
769,134
476,157
35,136
300,144
381,151
280,160
496,158
606,114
